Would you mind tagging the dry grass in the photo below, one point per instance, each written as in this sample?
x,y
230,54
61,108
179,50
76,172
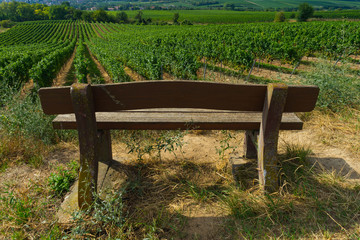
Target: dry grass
x,y
18,150
178,197
337,129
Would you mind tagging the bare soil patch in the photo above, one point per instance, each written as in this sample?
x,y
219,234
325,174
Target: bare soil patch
x,y
27,87
353,66
300,67
273,75
97,31
168,76
355,57
211,75
102,70
60,79
134,75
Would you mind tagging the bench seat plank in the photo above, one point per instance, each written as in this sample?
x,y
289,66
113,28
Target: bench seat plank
x,y
171,119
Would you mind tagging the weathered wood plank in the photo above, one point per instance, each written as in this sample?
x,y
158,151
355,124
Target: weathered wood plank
x,y
82,100
181,119
178,94
268,137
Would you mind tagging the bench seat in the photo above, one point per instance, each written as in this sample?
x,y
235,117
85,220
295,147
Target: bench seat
x,y
173,119
260,110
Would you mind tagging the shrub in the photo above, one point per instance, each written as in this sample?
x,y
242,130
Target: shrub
x,y
338,89
305,11
23,116
280,17
6,24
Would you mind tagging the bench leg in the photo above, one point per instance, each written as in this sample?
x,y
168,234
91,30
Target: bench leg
x,y
82,101
250,148
268,138
104,145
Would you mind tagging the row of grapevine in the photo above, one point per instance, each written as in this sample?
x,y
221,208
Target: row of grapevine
x,y
81,63
16,72
180,49
35,50
114,68
45,71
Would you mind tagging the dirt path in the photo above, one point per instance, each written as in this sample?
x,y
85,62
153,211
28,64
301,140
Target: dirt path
x,y
60,79
257,72
211,75
352,66
27,87
97,31
102,70
134,75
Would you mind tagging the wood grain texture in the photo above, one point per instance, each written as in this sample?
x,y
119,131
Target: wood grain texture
x,y
178,94
81,95
179,119
268,137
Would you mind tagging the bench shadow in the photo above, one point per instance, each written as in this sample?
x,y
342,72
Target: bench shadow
x,y
337,165
154,187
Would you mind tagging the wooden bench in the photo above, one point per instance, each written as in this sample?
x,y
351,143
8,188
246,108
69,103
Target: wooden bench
x,y
167,105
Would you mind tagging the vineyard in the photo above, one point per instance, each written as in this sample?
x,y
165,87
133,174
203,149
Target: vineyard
x,y
38,50
180,183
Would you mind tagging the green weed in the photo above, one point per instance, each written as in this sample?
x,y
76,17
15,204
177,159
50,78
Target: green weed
x,y
23,116
61,181
106,216
199,193
19,210
152,142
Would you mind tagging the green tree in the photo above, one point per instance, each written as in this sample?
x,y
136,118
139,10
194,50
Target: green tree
x,y
100,16
26,12
86,16
176,18
77,14
229,6
58,12
121,17
280,17
305,12
139,17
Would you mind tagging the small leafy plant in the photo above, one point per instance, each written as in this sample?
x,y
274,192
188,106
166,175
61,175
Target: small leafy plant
x,y
60,182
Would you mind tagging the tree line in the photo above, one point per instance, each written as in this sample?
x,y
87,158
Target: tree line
x,y
21,11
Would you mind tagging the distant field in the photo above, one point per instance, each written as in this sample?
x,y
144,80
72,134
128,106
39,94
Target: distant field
x,y
246,4
295,3
224,16
206,16
349,14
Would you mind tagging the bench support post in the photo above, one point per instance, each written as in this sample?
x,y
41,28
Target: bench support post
x,y
250,142
82,100
105,152
268,139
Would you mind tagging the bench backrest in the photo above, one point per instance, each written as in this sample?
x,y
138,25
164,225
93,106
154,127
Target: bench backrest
x,y
178,94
